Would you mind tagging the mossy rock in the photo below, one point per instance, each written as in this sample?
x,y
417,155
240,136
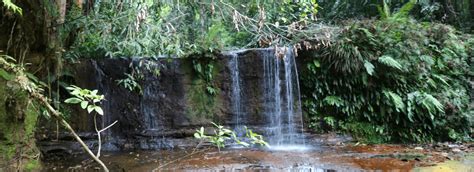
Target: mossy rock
x,y
18,118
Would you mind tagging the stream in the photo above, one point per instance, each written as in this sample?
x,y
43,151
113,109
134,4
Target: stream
x,y
323,158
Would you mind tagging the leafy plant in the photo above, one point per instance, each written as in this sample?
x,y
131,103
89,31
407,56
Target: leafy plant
x,y
221,135
10,5
255,138
203,65
130,83
392,80
88,99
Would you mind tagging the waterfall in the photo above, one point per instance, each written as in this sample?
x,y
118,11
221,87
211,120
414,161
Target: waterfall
x,y
282,99
105,120
236,94
150,118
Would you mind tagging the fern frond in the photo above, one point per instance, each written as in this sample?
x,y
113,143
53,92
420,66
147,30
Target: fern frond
x,y
432,104
384,10
396,100
441,79
11,6
427,59
333,100
369,67
389,61
405,10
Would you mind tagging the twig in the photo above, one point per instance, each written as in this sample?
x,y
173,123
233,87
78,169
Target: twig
x,y
108,126
168,163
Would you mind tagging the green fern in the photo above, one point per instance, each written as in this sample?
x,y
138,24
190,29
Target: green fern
x,y
389,61
404,11
10,5
441,79
431,104
369,67
384,10
333,101
427,59
396,100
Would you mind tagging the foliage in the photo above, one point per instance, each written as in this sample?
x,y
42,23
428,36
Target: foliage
x,y
149,29
130,83
203,66
221,135
86,98
454,12
10,5
255,139
89,100
395,80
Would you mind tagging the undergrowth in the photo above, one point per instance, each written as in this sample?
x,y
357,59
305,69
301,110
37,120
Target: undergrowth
x,y
392,80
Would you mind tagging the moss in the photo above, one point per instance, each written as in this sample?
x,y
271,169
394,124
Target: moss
x,y
18,117
202,107
32,165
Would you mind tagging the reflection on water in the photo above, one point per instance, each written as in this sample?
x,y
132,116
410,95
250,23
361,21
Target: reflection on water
x,y
463,165
298,159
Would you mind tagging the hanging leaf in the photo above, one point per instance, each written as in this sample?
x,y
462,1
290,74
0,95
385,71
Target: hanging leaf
x,y
389,61
84,104
90,109
369,67
73,100
5,75
99,110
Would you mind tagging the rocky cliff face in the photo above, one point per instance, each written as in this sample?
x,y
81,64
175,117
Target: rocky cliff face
x,y
171,103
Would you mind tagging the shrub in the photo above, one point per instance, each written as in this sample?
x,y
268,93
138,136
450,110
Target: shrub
x,y
400,79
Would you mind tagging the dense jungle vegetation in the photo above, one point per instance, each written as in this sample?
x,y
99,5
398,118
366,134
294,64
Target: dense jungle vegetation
x,y
381,70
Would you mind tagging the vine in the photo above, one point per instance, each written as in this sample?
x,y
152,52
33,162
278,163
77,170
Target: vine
x,y
203,67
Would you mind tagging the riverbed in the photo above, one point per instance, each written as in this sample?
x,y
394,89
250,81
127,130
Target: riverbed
x,y
322,158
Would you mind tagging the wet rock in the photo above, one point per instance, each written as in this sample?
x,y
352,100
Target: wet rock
x,y
418,148
456,150
170,106
109,146
453,146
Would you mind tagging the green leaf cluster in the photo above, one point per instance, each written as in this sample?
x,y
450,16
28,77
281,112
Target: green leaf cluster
x,y
156,29
88,99
392,81
222,134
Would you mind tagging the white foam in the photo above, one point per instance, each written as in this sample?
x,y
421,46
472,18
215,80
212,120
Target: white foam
x,y
289,148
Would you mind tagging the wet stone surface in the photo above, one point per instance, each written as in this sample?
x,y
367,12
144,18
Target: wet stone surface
x,y
321,158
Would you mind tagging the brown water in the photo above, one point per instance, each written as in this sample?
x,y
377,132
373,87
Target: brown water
x,y
344,158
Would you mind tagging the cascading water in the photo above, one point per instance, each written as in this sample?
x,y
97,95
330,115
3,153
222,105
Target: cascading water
x,y
282,99
236,94
104,89
150,119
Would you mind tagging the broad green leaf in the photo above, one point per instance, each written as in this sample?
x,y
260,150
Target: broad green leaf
x,y
46,114
5,75
99,110
389,61
369,67
90,108
72,100
94,92
11,6
197,136
84,104
316,63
